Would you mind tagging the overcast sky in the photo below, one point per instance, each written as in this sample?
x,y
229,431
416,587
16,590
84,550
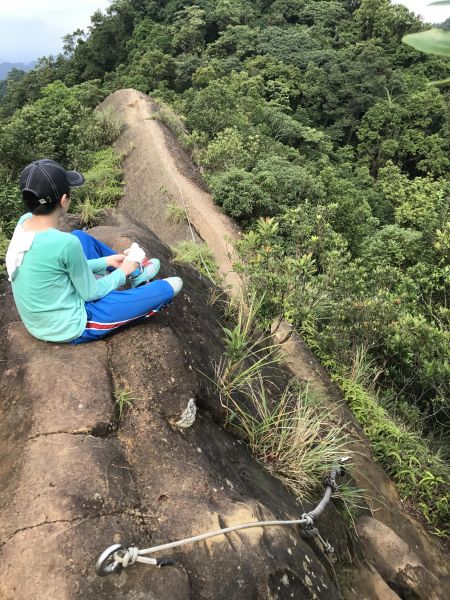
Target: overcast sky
x,y
33,28
431,14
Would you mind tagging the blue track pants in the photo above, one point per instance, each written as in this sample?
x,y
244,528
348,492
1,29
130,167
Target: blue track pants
x,y
118,309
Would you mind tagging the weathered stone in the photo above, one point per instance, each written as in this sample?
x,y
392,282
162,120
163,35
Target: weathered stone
x,y
397,562
56,562
367,584
49,388
61,476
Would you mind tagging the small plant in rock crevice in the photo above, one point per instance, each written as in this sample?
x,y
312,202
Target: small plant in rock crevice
x,y
124,399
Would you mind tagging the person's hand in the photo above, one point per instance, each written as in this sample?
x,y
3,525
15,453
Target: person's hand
x,y
115,260
128,266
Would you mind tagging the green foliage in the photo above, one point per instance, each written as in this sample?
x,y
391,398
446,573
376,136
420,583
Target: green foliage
x,y
149,71
285,426
189,30
407,353
225,102
62,125
421,475
41,129
286,282
102,189
228,13
4,241
380,20
238,192
199,256
230,149
59,125
99,129
410,131
11,206
393,246
148,35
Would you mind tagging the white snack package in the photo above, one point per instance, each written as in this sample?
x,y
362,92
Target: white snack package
x,y
135,253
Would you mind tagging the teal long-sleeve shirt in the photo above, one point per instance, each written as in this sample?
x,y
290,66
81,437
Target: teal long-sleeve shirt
x,y
53,283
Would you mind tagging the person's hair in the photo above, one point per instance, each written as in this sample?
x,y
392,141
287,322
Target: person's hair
x,y
33,205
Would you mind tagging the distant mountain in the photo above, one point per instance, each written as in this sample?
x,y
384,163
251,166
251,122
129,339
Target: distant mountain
x,y
5,67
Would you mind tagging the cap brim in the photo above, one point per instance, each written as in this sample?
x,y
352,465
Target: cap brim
x,y
75,179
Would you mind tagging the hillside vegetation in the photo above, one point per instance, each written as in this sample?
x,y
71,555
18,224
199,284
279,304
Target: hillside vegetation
x,y
316,129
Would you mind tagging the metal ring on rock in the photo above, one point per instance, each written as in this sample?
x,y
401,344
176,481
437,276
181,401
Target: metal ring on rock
x,y
103,566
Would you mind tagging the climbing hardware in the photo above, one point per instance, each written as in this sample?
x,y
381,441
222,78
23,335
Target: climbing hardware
x,y
118,557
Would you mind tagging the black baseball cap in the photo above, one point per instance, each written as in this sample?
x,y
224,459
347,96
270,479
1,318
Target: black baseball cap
x,y
48,180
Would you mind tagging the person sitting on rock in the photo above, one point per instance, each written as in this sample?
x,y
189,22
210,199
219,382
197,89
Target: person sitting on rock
x,y
53,274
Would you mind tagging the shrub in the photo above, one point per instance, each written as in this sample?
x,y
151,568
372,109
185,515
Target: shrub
x,y
4,241
41,129
97,130
239,194
11,206
393,246
230,149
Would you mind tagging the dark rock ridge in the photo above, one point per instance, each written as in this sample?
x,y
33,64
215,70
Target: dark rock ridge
x,y
74,481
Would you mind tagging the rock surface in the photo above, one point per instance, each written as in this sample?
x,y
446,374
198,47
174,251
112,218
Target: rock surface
x,y
397,562
74,480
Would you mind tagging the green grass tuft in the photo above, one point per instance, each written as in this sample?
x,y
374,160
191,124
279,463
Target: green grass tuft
x,y
103,187
199,256
176,213
287,428
124,400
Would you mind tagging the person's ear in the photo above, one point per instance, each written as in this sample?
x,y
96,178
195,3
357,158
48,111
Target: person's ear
x,y
65,201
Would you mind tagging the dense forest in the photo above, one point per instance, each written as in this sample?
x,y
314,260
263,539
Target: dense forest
x,y
319,132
